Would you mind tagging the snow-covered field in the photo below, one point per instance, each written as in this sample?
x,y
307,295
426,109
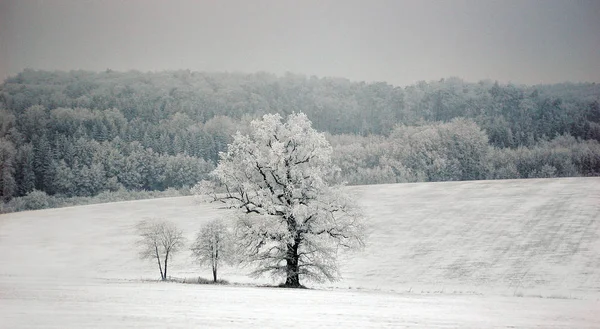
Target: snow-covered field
x,y
516,253
112,304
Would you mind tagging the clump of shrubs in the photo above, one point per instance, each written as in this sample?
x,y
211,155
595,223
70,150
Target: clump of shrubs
x,y
202,280
36,200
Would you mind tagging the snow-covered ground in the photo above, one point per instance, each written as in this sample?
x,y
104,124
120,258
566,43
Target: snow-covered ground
x,y
520,253
112,304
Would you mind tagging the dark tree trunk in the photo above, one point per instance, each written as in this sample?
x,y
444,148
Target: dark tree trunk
x,y
166,260
162,276
215,262
292,268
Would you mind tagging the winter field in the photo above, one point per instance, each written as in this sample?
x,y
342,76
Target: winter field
x,y
486,254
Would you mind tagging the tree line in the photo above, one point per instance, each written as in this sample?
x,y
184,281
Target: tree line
x,y
79,133
458,150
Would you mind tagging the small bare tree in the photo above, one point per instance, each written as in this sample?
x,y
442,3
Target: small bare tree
x,y
160,239
213,245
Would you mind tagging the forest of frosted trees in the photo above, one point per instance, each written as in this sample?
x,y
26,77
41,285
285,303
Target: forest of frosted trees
x,y
81,133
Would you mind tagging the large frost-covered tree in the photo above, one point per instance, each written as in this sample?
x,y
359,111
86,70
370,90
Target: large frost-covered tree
x,y
293,217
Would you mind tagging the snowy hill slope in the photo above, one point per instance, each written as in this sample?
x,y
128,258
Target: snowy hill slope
x,y
531,237
536,237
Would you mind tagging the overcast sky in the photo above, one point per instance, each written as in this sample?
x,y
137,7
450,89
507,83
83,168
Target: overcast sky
x,y
401,42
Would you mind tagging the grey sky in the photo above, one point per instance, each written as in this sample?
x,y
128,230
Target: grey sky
x,y
522,41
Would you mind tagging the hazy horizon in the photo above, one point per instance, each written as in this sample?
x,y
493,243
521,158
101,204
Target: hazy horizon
x,y
400,42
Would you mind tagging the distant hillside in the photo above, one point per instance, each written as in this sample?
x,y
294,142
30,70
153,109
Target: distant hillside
x,y
81,133
514,237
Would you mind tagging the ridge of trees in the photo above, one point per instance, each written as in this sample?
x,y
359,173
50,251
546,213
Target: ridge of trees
x,y
80,133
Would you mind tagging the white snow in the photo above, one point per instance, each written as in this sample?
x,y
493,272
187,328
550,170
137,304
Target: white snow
x,y
531,237
113,304
439,255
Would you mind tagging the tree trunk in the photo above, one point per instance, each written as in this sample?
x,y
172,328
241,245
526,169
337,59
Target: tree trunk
x,y
292,268
215,263
166,260
162,276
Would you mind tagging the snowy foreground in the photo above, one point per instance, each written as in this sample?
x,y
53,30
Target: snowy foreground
x,y
490,254
110,304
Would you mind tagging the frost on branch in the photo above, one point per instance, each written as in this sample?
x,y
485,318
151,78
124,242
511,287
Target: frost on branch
x,y
292,222
204,191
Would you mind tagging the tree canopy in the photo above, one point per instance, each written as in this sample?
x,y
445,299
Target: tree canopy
x,y
293,217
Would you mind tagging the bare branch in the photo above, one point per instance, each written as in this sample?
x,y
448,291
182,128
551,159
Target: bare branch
x,y
159,239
